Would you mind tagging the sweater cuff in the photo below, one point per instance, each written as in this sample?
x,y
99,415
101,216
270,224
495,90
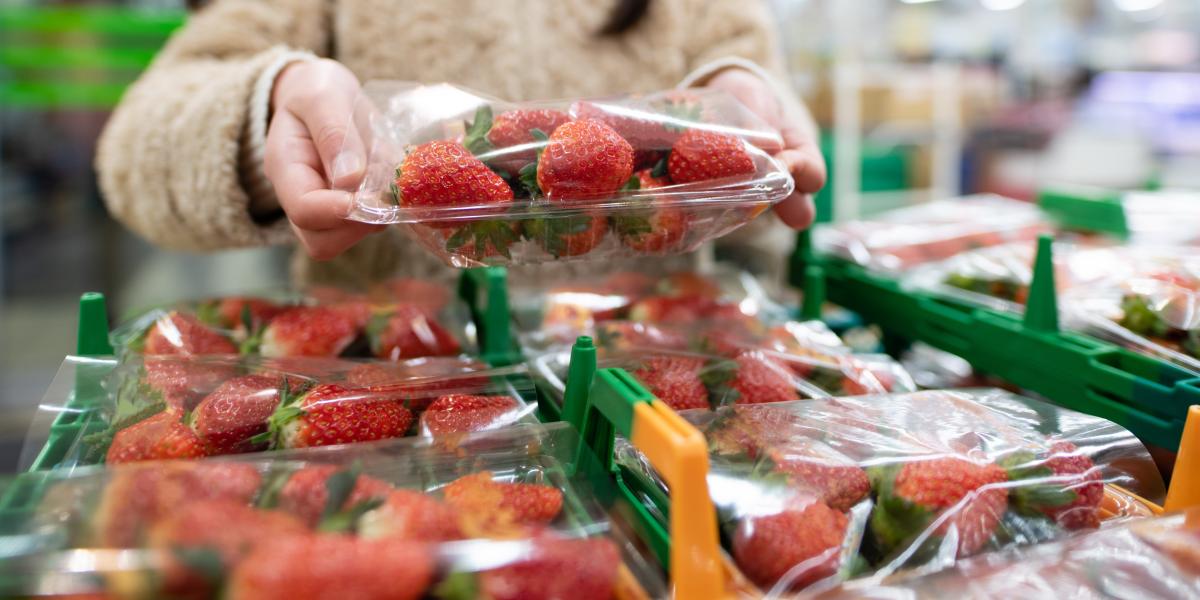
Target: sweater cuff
x,y
263,203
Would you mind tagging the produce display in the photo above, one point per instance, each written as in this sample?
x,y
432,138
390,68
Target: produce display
x,y
503,515
825,490
478,181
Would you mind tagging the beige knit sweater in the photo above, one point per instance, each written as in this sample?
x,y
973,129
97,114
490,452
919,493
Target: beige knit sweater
x,y
180,162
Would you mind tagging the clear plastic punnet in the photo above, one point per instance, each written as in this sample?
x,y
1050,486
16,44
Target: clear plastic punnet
x,y
906,237
815,492
1152,559
478,181
401,319
503,515
171,407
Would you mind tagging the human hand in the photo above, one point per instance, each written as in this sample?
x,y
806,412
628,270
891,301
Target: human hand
x,y
800,153
311,156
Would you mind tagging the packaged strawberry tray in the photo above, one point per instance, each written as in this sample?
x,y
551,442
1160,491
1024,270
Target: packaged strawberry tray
x,y
500,515
814,492
404,319
1148,559
478,181
171,407
903,238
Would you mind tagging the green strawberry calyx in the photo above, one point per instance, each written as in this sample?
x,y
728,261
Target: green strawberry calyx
x,y
1036,494
894,519
339,487
483,237
528,174
288,411
475,138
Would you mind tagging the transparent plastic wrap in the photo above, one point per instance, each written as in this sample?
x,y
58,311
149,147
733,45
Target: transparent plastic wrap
x,y
1152,559
501,515
1156,310
906,237
404,318
478,181
170,407
814,492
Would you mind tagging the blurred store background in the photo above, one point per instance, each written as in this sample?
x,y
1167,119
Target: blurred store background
x,y
917,100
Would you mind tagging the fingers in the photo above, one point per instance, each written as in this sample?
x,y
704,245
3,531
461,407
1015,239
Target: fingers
x,y
796,211
324,105
804,161
328,244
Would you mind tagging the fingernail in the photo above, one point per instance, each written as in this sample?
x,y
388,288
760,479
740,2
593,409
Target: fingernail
x,y
346,163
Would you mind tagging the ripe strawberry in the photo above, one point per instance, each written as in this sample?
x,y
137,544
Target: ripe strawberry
x,y
429,296
160,437
677,309
624,336
321,331
699,155
482,241
751,430
406,331
912,495
1063,484
629,284
658,228
690,283
583,160
462,413
645,130
238,313
580,569
181,383
410,515
235,412
836,480
419,382
331,414
321,491
138,496
770,548
515,127
316,567
181,333
564,237
496,506
224,529
751,378
675,380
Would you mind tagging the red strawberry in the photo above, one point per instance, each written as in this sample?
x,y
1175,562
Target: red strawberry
x,y
236,412
462,413
690,283
322,331
411,515
658,228
138,496
316,567
679,309
374,373
482,241
675,380
584,159
429,296
772,548
515,127
834,479
911,496
751,430
628,284
161,437
753,378
618,336
179,333
567,236
407,332
419,382
580,569
183,383
236,312
699,155
229,529
645,130
495,506
1063,484
307,492
330,414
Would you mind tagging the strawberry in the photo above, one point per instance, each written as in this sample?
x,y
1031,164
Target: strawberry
x,y
751,378
1063,484
410,515
580,569
160,437
678,309
912,495
317,493
689,283
182,383
700,155
430,297
238,313
223,530
750,430
838,482
375,374
482,242
799,545
406,331
138,496
567,236
517,127
583,160
419,382
645,130
495,505
321,331
675,380
629,284
463,413
619,336
180,333
315,567
235,412
331,414
657,228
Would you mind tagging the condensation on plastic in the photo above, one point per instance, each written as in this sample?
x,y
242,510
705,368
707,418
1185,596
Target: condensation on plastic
x,y
901,239
134,528
1038,472
1152,559
393,117
220,404
398,319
